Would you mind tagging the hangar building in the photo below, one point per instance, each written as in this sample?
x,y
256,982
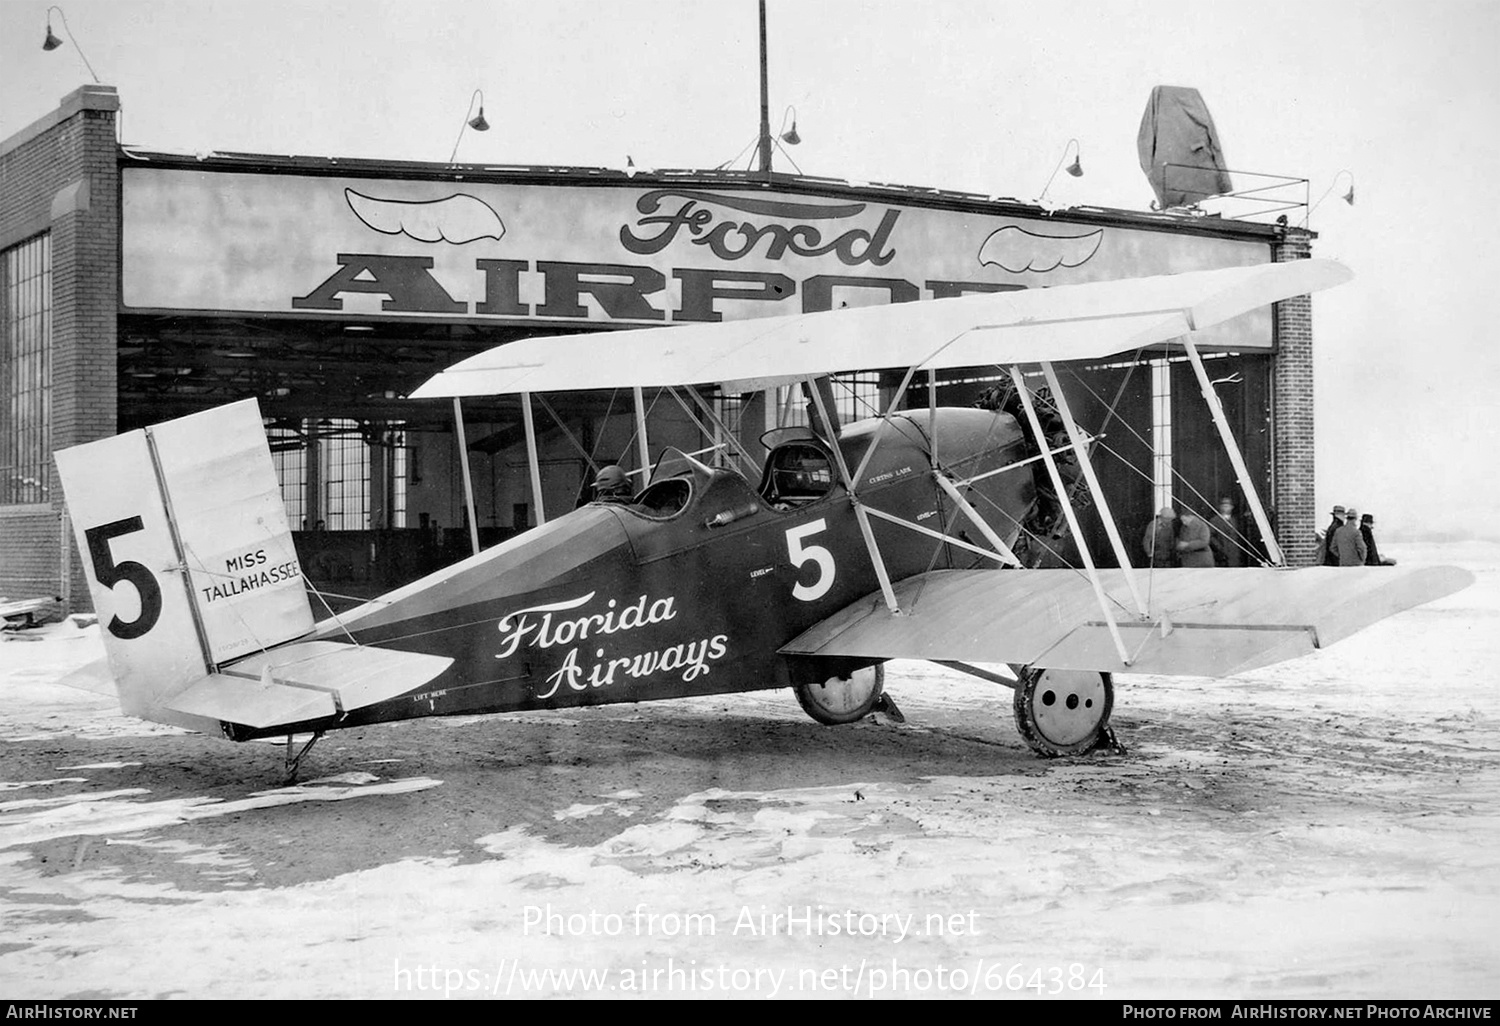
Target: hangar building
x,y
141,285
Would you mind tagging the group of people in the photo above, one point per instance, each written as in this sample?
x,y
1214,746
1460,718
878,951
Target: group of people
x,y
1349,540
1189,540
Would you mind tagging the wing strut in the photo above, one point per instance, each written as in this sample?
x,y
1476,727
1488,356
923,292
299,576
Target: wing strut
x,y
463,457
642,443
1067,507
736,447
859,507
1003,552
885,418
531,459
1273,549
973,515
929,532
568,436
1081,450
932,421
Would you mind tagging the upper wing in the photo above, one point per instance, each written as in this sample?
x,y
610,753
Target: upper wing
x,y
1067,322
1204,622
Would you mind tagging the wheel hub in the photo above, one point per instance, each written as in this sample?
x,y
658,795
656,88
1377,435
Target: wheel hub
x,y
1068,705
835,700
843,697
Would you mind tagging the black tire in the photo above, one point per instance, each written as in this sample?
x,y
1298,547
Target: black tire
x,y
835,702
1064,712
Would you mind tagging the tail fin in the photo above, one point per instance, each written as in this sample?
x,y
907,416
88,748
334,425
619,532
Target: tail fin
x,y
187,551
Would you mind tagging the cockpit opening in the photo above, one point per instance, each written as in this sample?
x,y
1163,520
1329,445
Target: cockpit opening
x,y
796,473
664,498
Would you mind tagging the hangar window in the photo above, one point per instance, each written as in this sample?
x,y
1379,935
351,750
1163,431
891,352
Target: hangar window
x,y
289,453
25,370
855,397
342,475
1161,433
346,477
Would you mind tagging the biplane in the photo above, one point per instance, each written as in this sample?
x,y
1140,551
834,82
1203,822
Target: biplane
x,y
897,536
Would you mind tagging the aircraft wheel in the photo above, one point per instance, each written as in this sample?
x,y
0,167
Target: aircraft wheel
x,y
1064,712
836,701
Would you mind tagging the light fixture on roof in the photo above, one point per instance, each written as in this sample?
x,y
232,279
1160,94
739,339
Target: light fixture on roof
x,y
789,135
52,42
1075,169
1347,197
477,122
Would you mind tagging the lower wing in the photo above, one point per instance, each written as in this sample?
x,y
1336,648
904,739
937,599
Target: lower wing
x,y
1201,622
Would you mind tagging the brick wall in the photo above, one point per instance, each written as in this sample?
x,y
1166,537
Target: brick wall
x,y
1292,473
61,175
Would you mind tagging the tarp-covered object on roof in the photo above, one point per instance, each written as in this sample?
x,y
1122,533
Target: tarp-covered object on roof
x,y
1177,129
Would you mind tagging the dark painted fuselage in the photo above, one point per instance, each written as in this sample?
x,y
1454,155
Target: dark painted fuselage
x,y
693,588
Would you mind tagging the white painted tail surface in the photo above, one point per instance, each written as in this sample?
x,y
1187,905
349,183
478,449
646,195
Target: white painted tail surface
x,y
189,558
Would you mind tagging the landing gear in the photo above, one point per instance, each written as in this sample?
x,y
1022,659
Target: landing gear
x,y
835,701
1064,712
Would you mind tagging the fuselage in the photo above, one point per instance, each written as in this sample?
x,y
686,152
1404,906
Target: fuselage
x,y
695,586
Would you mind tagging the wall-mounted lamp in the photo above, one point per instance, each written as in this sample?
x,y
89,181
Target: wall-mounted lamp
x,y
789,135
477,122
52,42
1075,169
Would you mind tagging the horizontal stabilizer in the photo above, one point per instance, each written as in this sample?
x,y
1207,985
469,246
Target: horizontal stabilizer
x,y
1202,622
254,703
356,675
304,682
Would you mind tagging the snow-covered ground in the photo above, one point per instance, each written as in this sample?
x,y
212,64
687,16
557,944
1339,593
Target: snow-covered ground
x,y
1324,828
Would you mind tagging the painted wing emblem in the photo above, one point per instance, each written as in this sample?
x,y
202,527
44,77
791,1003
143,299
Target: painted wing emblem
x,y
1016,250
458,219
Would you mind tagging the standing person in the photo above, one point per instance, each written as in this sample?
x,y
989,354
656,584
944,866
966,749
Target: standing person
x,y
1194,546
1225,529
1348,544
1160,539
1372,553
1326,555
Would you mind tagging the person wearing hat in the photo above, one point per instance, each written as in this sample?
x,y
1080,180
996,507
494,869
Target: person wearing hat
x,y
1225,528
1326,555
1160,539
1348,544
1194,541
611,485
1372,553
